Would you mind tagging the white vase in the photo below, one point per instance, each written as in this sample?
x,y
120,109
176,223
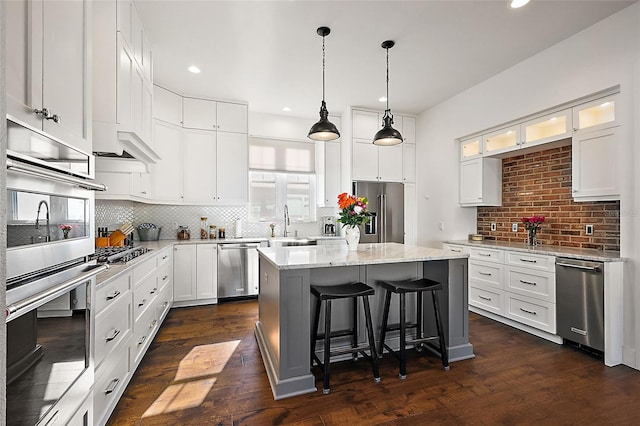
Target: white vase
x,y
352,235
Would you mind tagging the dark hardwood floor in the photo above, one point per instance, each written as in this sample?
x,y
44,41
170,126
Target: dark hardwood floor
x,y
204,368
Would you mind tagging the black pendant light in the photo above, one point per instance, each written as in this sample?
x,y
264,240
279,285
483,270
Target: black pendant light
x,y
323,130
387,136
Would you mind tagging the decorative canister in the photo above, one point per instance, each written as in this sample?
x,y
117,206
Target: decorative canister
x,y
204,228
222,233
184,233
212,232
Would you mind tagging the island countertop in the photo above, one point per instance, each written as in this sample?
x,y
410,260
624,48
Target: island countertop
x,y
322,256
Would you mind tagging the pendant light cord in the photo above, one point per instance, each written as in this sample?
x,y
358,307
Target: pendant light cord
x,y
322,68
387,78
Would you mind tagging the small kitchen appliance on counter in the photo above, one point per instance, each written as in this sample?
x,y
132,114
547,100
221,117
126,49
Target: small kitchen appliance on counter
x,y
329,229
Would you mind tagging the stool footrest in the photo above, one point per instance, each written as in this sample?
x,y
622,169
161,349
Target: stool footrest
x,y
339,333
396,327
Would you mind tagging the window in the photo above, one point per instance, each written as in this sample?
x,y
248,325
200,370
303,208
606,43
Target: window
x,y
281,173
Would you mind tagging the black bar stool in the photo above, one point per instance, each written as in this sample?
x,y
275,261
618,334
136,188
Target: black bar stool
x,y
342,291
402,288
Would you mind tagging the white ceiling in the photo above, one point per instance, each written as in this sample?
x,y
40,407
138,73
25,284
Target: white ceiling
x,y
268,53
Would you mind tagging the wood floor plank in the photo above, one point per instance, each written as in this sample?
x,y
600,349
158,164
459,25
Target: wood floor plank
x,y
204,367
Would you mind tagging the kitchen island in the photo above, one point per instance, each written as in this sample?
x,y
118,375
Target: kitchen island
x,y
283,330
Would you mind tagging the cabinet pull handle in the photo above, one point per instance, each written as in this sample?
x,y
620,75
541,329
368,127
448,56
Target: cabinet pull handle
x,y
112,386
141,341
529,312
528,260
455,250
164,257
165,278
114,334
142,303
113,295
484,254
54,117
44,112
164,305
487,274
154,290
153,323
484,298
528,282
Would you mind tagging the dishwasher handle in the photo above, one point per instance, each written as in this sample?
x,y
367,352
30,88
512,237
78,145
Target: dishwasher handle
x,y
585,268
236,246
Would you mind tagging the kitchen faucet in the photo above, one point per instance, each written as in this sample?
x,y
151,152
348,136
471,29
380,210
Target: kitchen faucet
x,y
48,237
286,220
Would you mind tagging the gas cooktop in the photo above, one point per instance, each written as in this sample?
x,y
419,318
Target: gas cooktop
x,y
118,254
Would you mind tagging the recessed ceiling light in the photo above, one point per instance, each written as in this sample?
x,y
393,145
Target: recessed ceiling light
x,y
286,109
382,99
194,69
518,3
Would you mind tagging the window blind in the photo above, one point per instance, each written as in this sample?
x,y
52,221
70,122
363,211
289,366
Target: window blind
x,y
281,156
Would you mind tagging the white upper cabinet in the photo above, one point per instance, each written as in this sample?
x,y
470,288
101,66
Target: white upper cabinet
x,y
471,148
549,128
232,168
595,115
481,182
199,114
166,174
594,175
502,140
232,117
44,91
365,124
409,129
167,106
199,162
408,163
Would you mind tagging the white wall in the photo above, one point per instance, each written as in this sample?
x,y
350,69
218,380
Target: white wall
x,y
602,56
3,216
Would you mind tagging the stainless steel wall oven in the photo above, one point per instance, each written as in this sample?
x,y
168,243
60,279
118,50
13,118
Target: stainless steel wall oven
x,y
50,280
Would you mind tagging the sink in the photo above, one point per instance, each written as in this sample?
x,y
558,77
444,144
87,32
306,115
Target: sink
x,y
292,241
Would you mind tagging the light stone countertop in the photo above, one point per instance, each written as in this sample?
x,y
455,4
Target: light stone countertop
x,y
322,256
558,251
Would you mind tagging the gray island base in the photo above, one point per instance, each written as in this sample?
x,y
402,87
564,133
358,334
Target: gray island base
x,y
283,331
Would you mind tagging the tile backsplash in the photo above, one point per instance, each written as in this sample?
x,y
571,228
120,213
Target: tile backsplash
x,y
539,183
113,213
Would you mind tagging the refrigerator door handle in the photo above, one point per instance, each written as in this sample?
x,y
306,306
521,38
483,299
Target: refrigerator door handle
x,y
382,210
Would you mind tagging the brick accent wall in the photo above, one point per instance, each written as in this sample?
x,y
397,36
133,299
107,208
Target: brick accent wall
x,y
539,183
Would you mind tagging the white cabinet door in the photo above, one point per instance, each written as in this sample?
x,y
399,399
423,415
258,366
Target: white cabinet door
x,y
390,163
232,168
199,114
184,272
207,271
125,83
118,185
410,214
199,162
593,165
166,174
471,181
481,182
408,163
332,173
365,125
167,106
409,129
232,117
38,34
365,160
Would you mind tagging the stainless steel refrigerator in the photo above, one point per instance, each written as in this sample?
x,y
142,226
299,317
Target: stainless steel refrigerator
x,y
386,207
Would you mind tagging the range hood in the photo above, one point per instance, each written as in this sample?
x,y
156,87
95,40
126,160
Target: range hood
x,y
110,141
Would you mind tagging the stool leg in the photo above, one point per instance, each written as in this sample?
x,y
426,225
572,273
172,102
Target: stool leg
x,y
327,346
385,319
316,323
419,314
403,336
443,346
354,330
372,342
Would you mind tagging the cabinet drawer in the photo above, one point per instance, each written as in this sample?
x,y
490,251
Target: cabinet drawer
x,y
455,248
163,302
110,380
112,326
486,273
142,270
489,255
143,330
489,299
534,261
164,257
111,292
532,312
165,274
144,295
537,284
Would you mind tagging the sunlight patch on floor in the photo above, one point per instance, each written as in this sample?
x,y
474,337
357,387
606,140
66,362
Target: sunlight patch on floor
x,y
206,360
180,397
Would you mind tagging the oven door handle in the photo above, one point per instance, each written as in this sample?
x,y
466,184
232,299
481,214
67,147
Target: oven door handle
x,y
32,302
46,174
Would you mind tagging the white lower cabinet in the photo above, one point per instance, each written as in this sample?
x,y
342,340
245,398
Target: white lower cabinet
x,y
195,272
129,309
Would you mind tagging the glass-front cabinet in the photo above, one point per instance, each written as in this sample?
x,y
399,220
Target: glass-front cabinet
x,y
548,128
502,140
595,115
471,148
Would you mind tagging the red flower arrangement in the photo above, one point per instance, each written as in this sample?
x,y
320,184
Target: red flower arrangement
x,y
532,223
353,210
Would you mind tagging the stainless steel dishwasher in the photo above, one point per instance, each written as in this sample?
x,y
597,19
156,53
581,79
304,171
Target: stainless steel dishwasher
x,y
237,269
580,302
